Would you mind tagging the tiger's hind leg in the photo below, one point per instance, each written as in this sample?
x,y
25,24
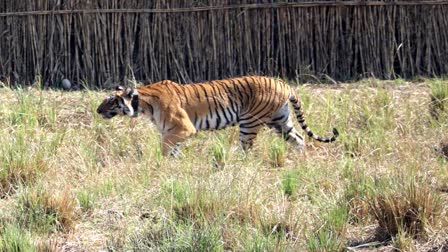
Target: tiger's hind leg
x,y
248,133
281,122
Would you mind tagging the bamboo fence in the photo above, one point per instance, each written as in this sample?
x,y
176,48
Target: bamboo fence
x,y
104,42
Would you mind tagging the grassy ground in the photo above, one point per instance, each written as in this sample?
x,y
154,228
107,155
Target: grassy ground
x,y
72,181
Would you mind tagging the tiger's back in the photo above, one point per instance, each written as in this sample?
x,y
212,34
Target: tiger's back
x,y
220,103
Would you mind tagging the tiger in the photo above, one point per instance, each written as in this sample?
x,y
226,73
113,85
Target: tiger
x,y
179,111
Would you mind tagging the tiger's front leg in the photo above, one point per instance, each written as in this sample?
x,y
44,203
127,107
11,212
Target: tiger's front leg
x,y
175,128
171,149
171,142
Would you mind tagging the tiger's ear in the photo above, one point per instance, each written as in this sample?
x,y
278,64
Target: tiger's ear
x,y
119,90
129,92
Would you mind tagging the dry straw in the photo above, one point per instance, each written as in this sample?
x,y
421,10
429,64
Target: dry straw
x,y
103,42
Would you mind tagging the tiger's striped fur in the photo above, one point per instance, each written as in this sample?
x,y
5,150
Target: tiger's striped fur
x,y
179,111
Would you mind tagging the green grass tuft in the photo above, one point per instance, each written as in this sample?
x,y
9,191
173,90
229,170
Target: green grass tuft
x,y
439,98
15,239
87,200
218,152
332,234
181,237
290,182
277,152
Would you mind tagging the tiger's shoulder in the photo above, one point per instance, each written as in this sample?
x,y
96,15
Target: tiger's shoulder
x,y
164,87
162,83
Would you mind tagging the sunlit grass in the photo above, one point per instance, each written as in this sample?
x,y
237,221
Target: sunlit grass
x,y
70,178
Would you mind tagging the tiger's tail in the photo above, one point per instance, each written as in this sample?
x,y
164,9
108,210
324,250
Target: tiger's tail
x,y
300,118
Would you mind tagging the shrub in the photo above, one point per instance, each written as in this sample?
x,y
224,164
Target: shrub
x,y
408,208
45,212
439,98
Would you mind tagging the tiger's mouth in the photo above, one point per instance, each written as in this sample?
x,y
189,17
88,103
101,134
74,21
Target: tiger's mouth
x,y
109,115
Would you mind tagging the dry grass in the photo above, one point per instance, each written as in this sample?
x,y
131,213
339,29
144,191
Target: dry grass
x,y
106,186
406,209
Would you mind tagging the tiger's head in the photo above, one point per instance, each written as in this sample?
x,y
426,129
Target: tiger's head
x,y
121,102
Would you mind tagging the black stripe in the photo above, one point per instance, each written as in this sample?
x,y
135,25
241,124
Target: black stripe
x,y
218,120
231,98
134,104
278,118
195,119
298,135
228,90
221,113
195,89
248,126
261,94
238,86
179,95
206,99
220,104
255,114
185,94
157,88
248,133
234,107
232,102
174,126
258,117
151,109
289,131
250,93
230,113
268,103
217,108
150,95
